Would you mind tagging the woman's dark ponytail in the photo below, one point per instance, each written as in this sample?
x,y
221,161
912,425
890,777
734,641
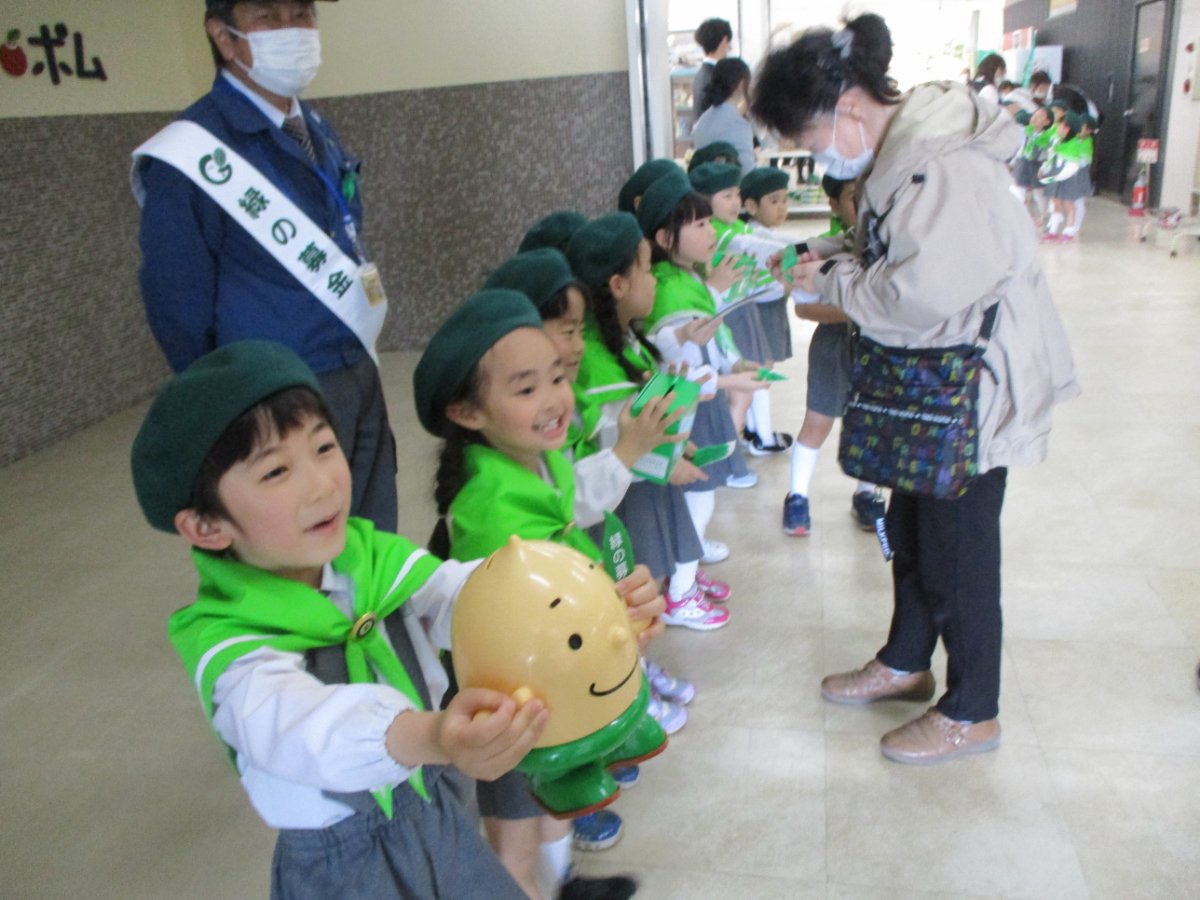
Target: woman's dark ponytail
x,y
728,75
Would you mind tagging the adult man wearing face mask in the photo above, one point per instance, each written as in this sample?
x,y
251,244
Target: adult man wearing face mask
x,y
220,267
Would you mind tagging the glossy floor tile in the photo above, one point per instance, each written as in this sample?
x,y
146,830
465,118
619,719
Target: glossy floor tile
x,y
113,786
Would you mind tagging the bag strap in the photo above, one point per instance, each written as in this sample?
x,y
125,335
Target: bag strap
x,y
989,321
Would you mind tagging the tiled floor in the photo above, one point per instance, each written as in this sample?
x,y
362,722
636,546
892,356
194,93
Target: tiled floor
x,y
113,787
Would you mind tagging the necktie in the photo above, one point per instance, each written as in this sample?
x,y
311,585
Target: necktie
x,y
294,127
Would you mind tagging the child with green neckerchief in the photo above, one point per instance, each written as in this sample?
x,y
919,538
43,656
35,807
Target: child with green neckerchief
x,y
313,640
493,386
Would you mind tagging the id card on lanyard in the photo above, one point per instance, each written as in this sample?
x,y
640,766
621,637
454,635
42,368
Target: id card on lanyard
x,y
368,272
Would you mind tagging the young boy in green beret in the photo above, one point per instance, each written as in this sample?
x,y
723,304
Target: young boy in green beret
x,y
313,640
765,198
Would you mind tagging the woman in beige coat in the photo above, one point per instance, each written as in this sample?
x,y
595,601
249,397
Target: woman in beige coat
x,y
939,240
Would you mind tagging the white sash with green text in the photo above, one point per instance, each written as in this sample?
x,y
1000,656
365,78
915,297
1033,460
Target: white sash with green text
x,y
282,228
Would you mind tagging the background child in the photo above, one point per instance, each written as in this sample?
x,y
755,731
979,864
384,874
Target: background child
x,y
683,324
491,383
630,196
553,230
237,454
829,361
765,198
719,183
612,257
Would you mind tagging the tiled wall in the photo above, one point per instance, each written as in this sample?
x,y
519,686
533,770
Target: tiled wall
x,y
452,176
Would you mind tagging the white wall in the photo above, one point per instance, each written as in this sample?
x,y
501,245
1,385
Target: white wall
x,y
156,54
1181,164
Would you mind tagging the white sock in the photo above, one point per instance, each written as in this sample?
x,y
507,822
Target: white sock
x,y
1071,230
760,415
556,857
1053,223
701,505
1080,212
804,463
683,579
864,487
751,421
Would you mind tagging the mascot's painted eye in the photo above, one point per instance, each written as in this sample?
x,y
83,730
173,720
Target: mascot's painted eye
x,y
575,642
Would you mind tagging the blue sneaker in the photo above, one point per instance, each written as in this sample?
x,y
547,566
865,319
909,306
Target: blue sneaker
x,y
597,831
626,776
796,521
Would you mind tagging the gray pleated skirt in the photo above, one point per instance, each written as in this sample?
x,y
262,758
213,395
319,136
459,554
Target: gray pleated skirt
x,y
427,850
714,425
777,326
748,333
660,527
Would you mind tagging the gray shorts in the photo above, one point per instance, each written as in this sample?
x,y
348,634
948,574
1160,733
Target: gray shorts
x,y
829,355
425,850
508,797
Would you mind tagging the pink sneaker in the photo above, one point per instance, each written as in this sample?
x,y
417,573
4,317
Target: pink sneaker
x,y
693,611
716,591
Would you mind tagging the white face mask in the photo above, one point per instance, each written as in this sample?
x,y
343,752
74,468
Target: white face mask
x,y
285,59
840,167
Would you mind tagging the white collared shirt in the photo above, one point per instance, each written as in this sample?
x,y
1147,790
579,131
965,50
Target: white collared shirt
x,y
296,737
274,116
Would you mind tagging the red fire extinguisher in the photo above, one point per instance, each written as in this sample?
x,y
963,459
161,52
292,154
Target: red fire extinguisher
x,y
1137,202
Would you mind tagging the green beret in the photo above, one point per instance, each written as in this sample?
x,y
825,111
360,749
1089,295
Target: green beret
x,y
1075,121
457,347
660,201
603,247
553,230
712,178
192,411
759,182
538,274
647,173
718,151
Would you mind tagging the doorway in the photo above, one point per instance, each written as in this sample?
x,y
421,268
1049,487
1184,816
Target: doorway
x,y
1143,115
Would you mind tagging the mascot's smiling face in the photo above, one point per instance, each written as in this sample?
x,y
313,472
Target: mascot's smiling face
x,y
541,616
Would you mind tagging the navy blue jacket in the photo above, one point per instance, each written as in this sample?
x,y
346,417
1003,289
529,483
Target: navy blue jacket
x,y
205,281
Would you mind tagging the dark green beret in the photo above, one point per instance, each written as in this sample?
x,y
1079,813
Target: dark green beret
x,y
552,231
1075,121
1022,117
193,410
647,173
457,347
660,201
713,177
757,183
718,151
603,247
538,274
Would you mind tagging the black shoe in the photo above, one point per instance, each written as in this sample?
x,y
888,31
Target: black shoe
x,y
866,507
780,443
618,887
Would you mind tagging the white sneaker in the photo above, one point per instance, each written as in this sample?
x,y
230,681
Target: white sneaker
x,y
695,612
748,480
714,552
